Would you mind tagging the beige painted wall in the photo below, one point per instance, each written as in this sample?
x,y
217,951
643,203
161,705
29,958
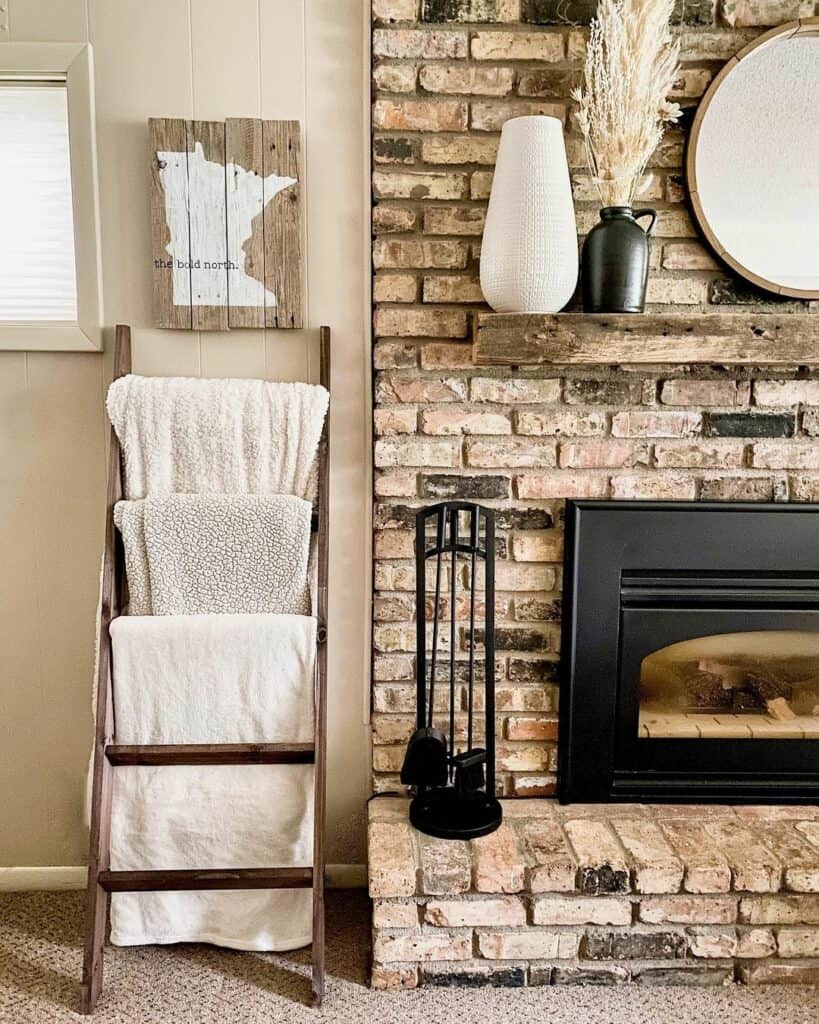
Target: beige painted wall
x,y
178,58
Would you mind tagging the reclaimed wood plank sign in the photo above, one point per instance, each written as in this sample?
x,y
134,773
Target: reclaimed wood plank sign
x,y
226,223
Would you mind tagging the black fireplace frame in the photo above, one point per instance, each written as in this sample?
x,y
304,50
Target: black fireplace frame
x,y
739,565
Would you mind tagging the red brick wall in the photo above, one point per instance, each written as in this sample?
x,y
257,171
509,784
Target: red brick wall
x,y
446,74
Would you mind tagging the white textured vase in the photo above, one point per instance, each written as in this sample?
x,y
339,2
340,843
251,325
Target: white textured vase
x,y
529,250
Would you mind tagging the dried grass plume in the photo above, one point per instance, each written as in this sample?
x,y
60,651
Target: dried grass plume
x,y
631,63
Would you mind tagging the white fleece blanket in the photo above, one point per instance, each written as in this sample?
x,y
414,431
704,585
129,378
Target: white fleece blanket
x,y
189,554
213,679
192,435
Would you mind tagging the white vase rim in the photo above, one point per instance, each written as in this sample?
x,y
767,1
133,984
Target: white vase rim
x,y
537,118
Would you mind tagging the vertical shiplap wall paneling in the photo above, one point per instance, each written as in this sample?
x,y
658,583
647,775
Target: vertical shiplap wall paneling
x,y
226,83
366,299
61,458
21,696
282,89
47,21
337,269
68,521
142,60
205,59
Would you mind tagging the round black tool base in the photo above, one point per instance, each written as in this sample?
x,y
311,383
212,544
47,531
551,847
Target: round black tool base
x,y
446,815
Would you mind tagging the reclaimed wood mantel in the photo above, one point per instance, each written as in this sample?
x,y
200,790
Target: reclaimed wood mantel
x,y
757,339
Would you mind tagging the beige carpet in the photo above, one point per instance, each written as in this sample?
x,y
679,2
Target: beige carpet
x,y
40,957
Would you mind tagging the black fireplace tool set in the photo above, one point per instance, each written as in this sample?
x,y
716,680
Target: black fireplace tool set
x,y
454,780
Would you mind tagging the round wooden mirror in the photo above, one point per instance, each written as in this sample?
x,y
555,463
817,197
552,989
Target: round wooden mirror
x,y
753,161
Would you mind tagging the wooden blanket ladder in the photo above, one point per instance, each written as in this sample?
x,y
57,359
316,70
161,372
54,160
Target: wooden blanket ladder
x,y
108,755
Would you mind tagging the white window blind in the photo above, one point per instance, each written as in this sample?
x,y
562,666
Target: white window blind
x,y
37,272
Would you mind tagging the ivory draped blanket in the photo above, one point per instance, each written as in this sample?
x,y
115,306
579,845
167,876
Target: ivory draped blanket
x,y
213,679
192,435
188,554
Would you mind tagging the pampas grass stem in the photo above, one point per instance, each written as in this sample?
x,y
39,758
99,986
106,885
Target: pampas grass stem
x,y
631,63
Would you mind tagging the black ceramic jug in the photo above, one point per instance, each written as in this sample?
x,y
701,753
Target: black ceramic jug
x,y
614,267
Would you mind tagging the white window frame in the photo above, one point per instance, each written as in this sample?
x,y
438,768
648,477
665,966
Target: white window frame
x,y
75,62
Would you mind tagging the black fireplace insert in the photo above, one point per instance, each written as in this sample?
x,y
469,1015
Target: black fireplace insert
x,y
690,653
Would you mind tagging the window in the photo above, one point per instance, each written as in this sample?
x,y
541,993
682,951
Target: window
x,y
49,252
37,273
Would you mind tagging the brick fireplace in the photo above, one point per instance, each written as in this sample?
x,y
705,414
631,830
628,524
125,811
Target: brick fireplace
x,y
561,894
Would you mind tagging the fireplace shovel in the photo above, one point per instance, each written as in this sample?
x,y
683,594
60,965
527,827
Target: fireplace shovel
x,y
425,762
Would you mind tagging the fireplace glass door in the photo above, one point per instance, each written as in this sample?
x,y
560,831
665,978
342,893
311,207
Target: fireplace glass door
x,y
708,664
745,686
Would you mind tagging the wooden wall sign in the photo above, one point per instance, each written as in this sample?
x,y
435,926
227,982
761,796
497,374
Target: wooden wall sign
x,y
226,223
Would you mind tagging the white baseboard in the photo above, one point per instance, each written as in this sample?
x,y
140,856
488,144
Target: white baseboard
x,y
54,879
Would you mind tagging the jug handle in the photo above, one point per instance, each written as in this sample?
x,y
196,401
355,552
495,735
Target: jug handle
x,y
647,213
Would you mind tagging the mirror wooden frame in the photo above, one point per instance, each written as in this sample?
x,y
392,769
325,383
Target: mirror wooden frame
x,y
805,26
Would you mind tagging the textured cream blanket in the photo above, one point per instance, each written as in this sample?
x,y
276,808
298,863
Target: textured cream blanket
x,y
189,554
213,679
197,436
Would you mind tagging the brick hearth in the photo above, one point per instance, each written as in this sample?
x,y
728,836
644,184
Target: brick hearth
x,y
598,894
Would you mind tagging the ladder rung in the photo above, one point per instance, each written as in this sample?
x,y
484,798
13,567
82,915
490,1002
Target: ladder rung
x,y
222,878
211,753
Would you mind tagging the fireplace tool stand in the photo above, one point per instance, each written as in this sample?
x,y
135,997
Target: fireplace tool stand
x,y
454,779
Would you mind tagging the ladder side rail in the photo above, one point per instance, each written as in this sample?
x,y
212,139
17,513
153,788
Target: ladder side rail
x,y
97,899
320,699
